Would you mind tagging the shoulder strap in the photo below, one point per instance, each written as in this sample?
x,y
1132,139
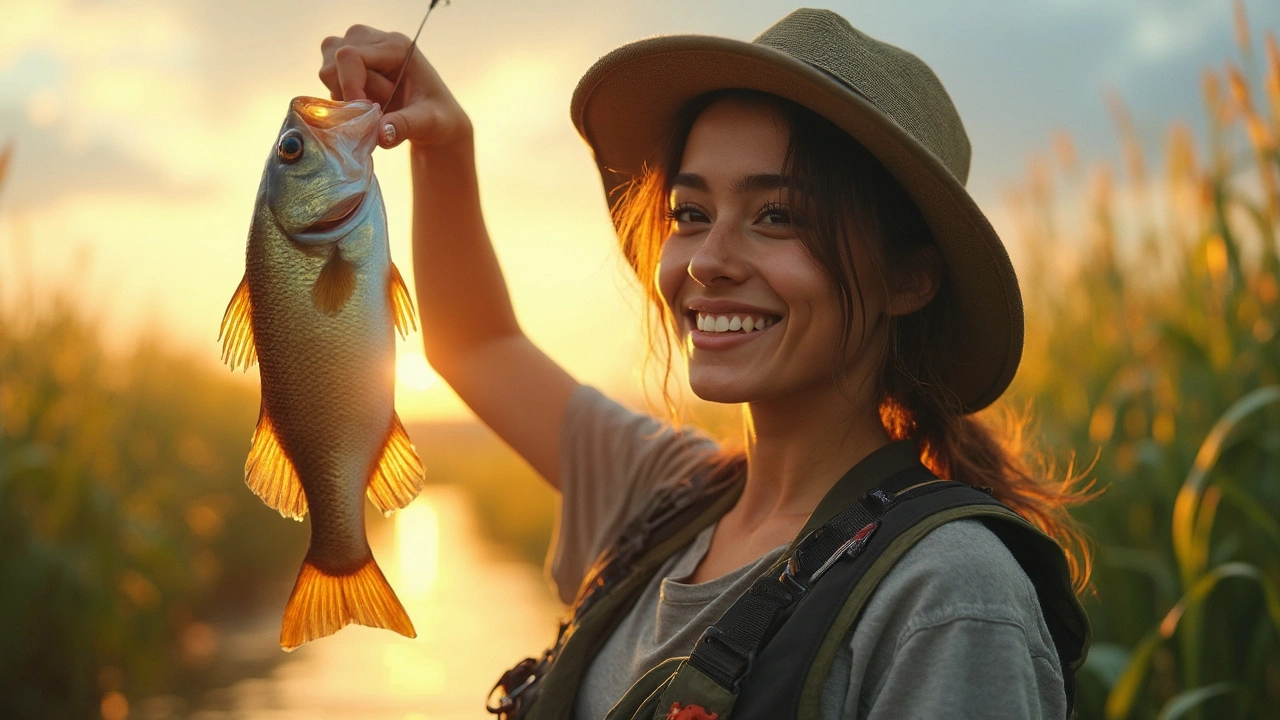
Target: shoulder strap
x,y
816,597
545,689
837,606
725,652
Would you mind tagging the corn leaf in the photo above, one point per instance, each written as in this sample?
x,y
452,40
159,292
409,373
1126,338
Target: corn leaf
x,y
1205,585
1259,517
1185,701
1147,562
1107,661
1190,528
1125,690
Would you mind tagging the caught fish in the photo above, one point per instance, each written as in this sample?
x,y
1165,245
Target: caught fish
x,y
318,309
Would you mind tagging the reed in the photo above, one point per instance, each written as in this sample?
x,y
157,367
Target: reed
x,y
1159,353
125,525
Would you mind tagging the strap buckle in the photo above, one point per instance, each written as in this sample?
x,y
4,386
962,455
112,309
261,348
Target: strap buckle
x,y
528,669
790,581
850,548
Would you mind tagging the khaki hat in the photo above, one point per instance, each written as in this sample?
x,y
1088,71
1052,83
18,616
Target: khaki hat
x,y
884,97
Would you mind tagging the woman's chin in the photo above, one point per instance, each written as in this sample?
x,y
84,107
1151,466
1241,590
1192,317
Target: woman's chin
x,y
720,389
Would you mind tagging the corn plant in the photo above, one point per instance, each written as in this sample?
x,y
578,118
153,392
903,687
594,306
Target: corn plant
x,y
1158,355
124,520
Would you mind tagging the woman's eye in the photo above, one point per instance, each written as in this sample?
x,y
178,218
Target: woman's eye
x,y
775,215
686,214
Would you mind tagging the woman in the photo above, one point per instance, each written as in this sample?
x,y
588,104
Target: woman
x,y
798,203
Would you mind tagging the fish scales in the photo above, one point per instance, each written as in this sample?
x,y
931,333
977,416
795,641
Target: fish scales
x,y
322,303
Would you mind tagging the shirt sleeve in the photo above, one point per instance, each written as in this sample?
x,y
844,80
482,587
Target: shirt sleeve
x,y
612,459
967,667
955,630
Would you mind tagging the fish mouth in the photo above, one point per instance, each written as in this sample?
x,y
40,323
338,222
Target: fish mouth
x,y
338,215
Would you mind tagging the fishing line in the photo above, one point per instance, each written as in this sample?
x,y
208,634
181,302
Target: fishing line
x,y
412,46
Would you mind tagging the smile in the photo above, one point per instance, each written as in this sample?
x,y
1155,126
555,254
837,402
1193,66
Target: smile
x,y
737,323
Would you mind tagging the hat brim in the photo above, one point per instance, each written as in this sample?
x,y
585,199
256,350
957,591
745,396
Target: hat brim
x,y
626,104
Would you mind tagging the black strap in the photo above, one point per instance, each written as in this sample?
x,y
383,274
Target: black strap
x,y
726,650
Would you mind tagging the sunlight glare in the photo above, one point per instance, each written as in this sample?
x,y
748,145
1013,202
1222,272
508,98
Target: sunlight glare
x,y
414,373
417,548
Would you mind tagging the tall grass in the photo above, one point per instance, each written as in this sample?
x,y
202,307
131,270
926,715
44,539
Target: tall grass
x,y
1160,353
124,521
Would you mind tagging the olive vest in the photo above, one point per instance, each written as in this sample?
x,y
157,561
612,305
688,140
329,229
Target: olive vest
x,y
769,654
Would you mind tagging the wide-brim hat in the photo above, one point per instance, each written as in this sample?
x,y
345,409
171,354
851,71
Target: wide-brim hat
x,y
884,97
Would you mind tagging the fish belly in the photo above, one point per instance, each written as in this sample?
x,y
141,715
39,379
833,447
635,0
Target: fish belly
x,y
328,386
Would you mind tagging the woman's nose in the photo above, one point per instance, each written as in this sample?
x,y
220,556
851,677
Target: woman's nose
x,y
719,258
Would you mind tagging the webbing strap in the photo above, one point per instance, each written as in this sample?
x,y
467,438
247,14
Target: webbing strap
x,y
725,651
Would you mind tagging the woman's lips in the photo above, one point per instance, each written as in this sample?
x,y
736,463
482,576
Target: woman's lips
x,y
711,331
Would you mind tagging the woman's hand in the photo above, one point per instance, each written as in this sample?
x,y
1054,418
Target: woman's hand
x,y
363,64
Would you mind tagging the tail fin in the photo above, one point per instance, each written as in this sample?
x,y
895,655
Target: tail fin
x,y
323,604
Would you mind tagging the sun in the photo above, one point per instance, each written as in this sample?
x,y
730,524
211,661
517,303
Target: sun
x,y
413,372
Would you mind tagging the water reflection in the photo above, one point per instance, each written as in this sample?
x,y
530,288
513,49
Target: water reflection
x,y
417,549
476,611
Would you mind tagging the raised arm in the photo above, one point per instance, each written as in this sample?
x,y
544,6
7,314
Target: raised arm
x,y
469,328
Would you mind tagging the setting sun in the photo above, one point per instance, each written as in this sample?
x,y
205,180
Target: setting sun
x,y
413,372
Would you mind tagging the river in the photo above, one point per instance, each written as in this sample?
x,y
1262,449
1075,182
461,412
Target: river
x,y
477,610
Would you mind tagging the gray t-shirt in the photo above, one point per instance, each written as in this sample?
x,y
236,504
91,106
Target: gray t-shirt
x,y
954,630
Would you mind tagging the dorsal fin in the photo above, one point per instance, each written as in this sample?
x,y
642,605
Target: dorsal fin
x,y
236,332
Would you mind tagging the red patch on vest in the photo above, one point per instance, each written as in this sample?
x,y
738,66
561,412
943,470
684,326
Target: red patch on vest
x,y
690,712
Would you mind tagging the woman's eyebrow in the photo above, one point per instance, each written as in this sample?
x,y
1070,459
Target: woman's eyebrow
x,y
749,184
693,181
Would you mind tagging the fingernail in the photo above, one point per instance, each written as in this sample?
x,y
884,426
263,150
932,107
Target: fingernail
x,y
389,132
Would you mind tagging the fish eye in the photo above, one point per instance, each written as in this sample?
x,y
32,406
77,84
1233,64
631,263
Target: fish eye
x,y
290,147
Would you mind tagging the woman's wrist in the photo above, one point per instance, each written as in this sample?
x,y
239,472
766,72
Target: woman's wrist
x,y
452,156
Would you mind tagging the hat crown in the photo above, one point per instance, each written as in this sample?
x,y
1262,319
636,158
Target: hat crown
x,y
899,84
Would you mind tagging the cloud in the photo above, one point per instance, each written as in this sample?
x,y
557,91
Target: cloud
x,y
47,169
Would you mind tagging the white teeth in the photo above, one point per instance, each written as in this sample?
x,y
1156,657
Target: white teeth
x,y
731,323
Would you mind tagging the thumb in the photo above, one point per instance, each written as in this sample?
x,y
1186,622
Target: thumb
x,y
392,130
396,127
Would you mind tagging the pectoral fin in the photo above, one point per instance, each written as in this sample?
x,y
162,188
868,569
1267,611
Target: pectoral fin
x,y
401,304
322,604
398,477
236,332
270,474
334,286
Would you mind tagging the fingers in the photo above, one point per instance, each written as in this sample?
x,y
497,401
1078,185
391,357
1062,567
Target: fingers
x,y
350,61
364,65
351,72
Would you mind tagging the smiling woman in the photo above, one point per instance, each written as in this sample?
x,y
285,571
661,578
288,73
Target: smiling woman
x,y
795,210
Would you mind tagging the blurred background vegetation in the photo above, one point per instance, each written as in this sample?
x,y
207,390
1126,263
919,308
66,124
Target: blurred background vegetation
x,y
1153,293
1153,311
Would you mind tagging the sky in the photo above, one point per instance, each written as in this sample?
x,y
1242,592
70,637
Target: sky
x,y
140,129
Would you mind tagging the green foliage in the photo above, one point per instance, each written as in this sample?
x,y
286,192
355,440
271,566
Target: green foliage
x,y
124,521
1160,353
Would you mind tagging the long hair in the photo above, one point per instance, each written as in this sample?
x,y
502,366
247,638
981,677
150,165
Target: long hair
x,y
844,195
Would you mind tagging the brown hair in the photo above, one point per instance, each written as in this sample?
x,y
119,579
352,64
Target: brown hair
x,y
842,193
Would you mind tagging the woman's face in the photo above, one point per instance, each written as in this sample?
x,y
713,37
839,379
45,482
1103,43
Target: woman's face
x,y
757,316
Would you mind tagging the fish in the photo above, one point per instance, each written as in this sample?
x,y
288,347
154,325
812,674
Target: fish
x,y
317,310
